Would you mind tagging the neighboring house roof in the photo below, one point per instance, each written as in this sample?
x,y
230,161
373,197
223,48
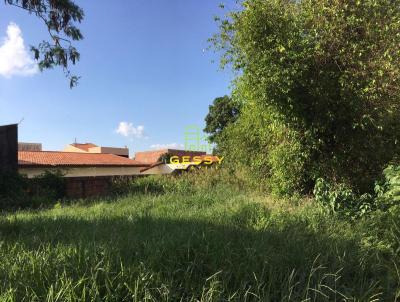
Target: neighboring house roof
x,y
84,147
61,159
29,146
150,157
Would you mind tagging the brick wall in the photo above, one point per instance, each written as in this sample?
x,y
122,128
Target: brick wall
x,y
82,187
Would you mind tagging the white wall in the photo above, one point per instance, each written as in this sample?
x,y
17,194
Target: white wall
x,y
161,169
167,168
83,171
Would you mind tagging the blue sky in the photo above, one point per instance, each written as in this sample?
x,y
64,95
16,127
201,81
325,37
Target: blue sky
x,y
142,63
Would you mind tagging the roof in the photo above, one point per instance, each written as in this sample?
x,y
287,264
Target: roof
x,y
62,159
22,146
84,147
150,157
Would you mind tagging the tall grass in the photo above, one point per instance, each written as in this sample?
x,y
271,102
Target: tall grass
x,y
200,244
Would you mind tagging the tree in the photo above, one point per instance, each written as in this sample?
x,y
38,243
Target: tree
x,y
324,79
221,113
59,17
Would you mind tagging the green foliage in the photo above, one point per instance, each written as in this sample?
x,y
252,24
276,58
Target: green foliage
x,y
13,190
165,158
221,113
388,191
320,83
196,180
342,200
142,184
49,184
59,17
274,156
211,245
17,191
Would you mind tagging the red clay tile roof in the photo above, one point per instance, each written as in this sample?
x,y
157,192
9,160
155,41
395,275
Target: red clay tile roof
x,y
55,158
84,147
150,157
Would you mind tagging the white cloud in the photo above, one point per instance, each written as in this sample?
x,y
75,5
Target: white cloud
x,y
167,146
128,130
14,57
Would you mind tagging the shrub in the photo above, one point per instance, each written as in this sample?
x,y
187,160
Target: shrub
x,y
318,80
273,157
13,190
50,184
388,190
341,199
195,180
17,191
140,184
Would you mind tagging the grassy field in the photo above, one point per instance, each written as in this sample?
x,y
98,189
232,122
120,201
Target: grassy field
x,y
217,245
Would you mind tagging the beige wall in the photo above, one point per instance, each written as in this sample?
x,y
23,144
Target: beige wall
x,y
71,148
110,150
84,171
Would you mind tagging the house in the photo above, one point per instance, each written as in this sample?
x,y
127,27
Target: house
x,y
87,168
86,174
89,173
29,146
74,164
92,148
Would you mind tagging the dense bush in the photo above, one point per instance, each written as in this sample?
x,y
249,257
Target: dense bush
x,y
319,81
268,153
343,200
152,184
50,184
13,190
388,191
196,179
17,191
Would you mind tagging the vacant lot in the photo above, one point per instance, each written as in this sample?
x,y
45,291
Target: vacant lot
x,y
207,246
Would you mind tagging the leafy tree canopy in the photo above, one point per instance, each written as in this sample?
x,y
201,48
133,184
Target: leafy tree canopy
x,y
60,18
323,77
221,113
